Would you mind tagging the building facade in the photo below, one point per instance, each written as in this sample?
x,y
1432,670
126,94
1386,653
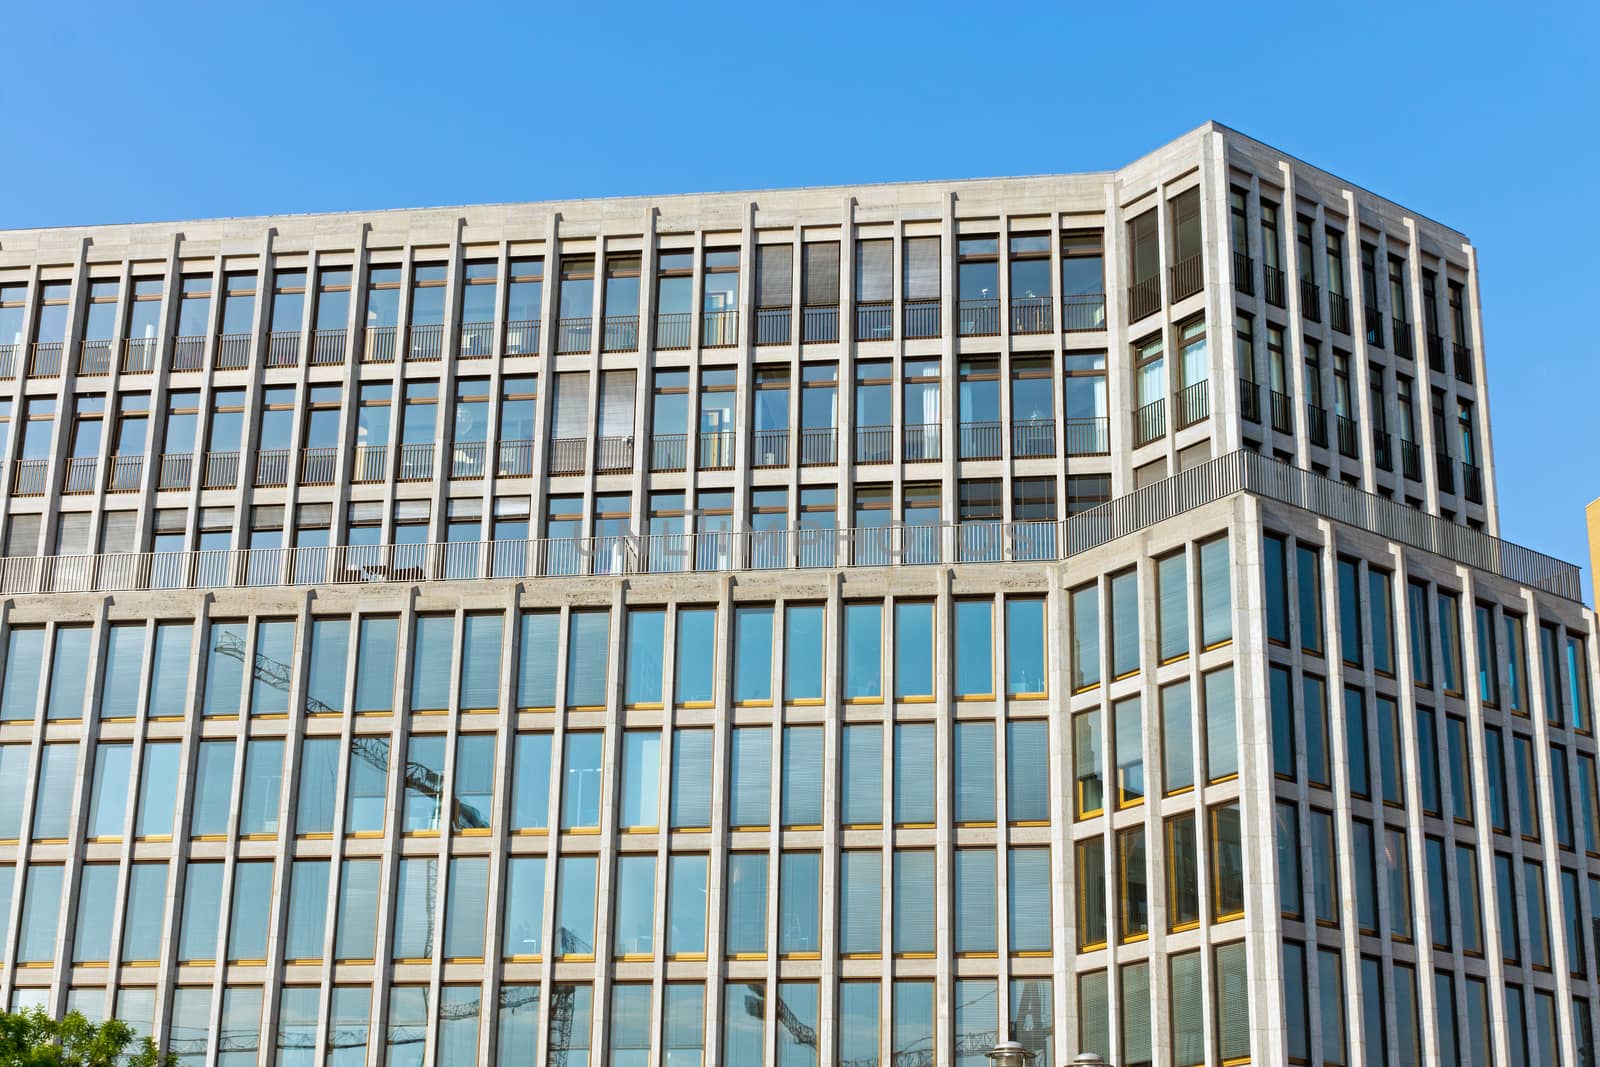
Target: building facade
x,y
841,626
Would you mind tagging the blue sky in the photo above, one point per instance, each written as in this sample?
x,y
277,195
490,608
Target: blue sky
x,y
1483,120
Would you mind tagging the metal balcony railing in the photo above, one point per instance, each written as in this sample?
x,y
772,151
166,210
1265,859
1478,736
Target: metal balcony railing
x,y
319,466
1150,422
272,468
1339,312
772,326
425,343
379,344
233,352
10,354
1088,437
1250,399
672,331
620,333
1244,274
94,358
1436,352
1273,286
1349,436
819,447
1083,312
82,476
1402,338
819,325
980,440
1383,450
1317,425
892,545
1310,300
515,459
1445,467
573,336
1374,327
1282,412
874,444
921,442
327,347
416,462
718,450
46,362
770,449
1031,314
28,477
719,328
476,341
189,353
522,337
177,470
139,355
875,321
1186,277
1411,459
468,460
1463,363
371,464
1472,483
1033,438
283,348
922,319
669,452
1144,298
1194,404
614,455
221,470
567,454
125,474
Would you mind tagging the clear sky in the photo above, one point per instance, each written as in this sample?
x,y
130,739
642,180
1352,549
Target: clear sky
x,y
1484,117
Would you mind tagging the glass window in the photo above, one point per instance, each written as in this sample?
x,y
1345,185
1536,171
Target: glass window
x,y
1350,611
1091,895
1128,725
474,783
581,781
1186,1009
911,1034
588,650
752,642
108,808
1133,898
1516,664
1421,640
308,909
630,1024
1578,682
575,899
1085,637
1090,759
860,907
1124,623
169,670
1028,772
1355,729
1549,671
1290,899
1026,655
424,775
750,772
974,877
416,890
1222,735
746,904
1469,903
225,655
53,799
251,911
368,786
858,1017
913,650
377,644
1216,593
263,785
803,653
465,907
201,907
530,783
355,932
536,666
683,1013
1172,606
646,643
524,907
1380,603
213,789
974,649
1094,1014
92,941
1308,586
691,780
1135,978
240,1031
1276,562
330,650
482,635
801,800
697,632
1177,738
571,1019
19,694
744,1022
913,908
634,904
641,779
1281,700
914,793
974,773
1319,755
1389,752
69,673
1450,642
686,904
799,903
272,668
861,775
1227,863
1183,872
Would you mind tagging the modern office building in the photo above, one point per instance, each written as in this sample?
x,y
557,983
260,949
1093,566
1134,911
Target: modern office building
x,y
824,626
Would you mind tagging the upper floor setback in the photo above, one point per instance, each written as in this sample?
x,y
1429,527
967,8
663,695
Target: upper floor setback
x,y
1142,264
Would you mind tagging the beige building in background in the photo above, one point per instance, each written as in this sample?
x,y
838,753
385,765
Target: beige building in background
x,y
847,625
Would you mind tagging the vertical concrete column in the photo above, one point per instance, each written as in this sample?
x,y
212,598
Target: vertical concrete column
x,y
1480,374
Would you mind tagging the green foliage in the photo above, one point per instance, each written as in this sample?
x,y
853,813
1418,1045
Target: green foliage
x,y
33,1039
